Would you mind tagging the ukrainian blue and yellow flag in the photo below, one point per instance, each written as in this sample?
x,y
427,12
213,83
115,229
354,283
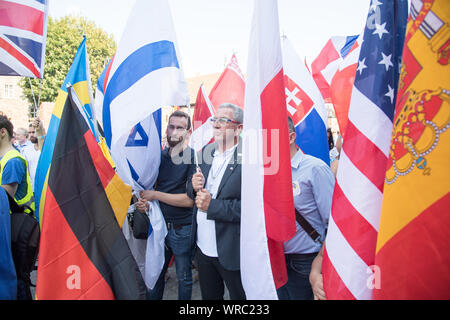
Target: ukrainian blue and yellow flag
x,y
77,77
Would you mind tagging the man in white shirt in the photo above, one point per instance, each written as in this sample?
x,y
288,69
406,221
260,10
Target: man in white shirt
x,y
22,139
32,151
216,189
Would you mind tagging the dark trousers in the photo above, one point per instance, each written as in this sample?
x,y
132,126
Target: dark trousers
x,y
23,290
212,276
178,244
298,286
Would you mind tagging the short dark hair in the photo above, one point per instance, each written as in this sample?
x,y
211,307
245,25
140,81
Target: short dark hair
x,y
291,125
330,139
182,114
5,123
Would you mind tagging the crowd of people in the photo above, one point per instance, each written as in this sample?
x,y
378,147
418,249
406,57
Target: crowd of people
x,y
201,204
209,234
19,156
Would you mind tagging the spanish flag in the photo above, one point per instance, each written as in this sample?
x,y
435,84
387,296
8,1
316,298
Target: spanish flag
x,y
413,246
83,252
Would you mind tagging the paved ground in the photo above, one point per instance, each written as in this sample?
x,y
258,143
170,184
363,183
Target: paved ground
x,y
171,289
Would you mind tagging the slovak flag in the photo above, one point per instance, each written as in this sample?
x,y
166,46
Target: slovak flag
x,y
23,34
305,105
267,208
326,64
229,88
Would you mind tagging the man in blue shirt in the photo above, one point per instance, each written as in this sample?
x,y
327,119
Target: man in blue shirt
x,y
176,169
312,184
14,179
13,173
8,280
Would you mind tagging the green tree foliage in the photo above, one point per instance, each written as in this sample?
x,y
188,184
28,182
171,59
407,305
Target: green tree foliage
x,y
63,38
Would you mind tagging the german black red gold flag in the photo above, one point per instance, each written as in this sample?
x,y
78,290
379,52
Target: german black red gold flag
x,y
83,252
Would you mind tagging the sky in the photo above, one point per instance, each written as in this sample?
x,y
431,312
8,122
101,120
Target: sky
x,y
210,31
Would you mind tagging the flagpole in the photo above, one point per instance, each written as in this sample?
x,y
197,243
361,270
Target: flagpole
x,y
32,93
192,128
91,95
41,80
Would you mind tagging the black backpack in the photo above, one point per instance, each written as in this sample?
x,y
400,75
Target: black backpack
x,y
25,236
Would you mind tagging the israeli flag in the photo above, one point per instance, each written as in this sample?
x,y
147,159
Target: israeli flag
x,y
144,75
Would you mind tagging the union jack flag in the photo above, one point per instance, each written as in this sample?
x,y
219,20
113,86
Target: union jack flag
x,y
23,30
349,254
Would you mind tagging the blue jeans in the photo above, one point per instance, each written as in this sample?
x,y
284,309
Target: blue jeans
x,y
178,244
297,286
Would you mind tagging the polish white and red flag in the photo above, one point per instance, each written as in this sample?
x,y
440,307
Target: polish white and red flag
x,y
267,208
202,130
325,66
229,88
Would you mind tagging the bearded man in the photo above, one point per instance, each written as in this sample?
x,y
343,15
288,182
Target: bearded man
x,y
176,169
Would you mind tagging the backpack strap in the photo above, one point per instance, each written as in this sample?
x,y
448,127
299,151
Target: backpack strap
x,y
13,206
307,227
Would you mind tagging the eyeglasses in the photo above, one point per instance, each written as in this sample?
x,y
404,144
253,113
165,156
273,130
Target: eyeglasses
x,y
31,131
222,121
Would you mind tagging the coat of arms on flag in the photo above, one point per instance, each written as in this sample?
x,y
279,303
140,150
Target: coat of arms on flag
x,y
305,105
412,247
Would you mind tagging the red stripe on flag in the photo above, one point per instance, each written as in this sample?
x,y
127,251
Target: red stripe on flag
x,y
341,92
20,57
201,111
21,17
105,82
103,167
323,86
278,196
277,262
229,88
327,55
355,229
65,271
414,263
334,287
357,152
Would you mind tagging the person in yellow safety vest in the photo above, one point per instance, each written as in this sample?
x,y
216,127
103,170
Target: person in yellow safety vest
x,y
14,176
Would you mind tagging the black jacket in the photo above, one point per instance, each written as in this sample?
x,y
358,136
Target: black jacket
x,y
225,210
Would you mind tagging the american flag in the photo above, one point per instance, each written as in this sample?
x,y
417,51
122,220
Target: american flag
x,y
23,30
349,253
